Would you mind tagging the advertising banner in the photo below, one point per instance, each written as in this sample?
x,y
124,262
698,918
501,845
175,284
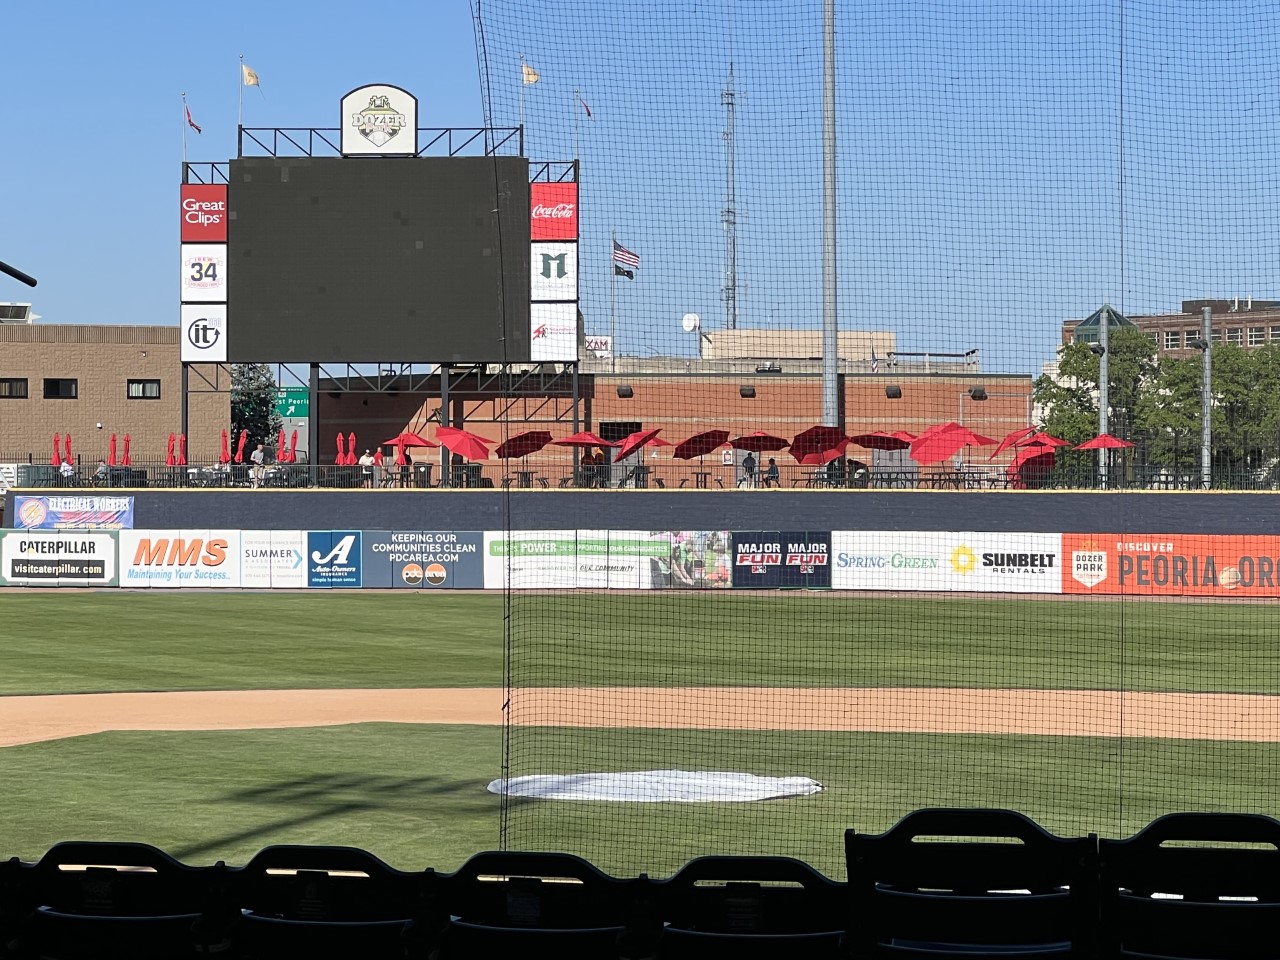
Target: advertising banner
x,y
773,558
204,213
73,513
273,559
553,271
40,559
334,559
696,560
204,273
204,333
572,559
959,562
553,211
1171,565
553,334
379,119
180,558
424,559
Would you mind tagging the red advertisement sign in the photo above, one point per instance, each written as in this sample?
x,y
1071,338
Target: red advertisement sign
x,y
553,209
204,213
1171,565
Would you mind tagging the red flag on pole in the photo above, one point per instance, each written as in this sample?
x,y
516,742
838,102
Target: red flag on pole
x,y
191,123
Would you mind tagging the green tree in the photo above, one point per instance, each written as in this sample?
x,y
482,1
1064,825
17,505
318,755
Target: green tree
x,y
253,402
1071,402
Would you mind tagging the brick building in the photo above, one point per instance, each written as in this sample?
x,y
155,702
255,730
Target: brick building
x,y
91,381
1243,322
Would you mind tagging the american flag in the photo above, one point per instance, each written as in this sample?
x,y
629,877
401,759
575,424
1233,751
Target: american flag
x,y
875,361
624,256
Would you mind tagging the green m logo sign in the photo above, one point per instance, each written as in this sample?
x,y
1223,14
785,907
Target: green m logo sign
x,y
558,260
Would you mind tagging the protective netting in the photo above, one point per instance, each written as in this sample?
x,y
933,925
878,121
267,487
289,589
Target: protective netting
x,y
1031,203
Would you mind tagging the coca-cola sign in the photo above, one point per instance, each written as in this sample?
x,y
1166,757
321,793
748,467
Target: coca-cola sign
x,y
204,213
553,209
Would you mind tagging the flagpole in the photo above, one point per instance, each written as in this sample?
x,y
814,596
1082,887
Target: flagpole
x,y
240,86
613,303
184,136
576,98
522,86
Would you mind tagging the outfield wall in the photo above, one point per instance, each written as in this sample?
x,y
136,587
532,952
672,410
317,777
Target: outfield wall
x,y
1017,562
894,510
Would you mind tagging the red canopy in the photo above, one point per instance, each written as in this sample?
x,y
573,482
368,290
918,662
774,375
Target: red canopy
x,y
182,450
1041,439
169,459
464,443
1104,441
700,444
57,450
939,445
401,460
759,442
293,447
239,458
124,460
584,438
522,444
1030,464
828,442
351,450
67,442
111,452
1010,439
338,460
282,452
879,440
636,441
819,457
223,457
407,438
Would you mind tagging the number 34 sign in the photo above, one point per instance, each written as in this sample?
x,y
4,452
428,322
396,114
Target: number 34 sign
x,y
204,273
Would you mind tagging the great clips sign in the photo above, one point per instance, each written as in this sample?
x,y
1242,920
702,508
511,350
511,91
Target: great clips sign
x,y
553,211
204,213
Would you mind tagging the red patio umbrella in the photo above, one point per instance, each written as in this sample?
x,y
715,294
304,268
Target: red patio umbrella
x,y
67,444
225,455
1042,439
341,457
700,444
351,450
583,438
111,452
1030,463
182,449
409,439
401,459
826,441
124,459
464,443
759,442
938,446
169,460
1011,439
879,440
282,453
57,450
1103,441
522,444
819,457
244,438
636,441
293,447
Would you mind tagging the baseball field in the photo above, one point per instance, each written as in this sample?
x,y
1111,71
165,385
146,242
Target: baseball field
x,y
215,724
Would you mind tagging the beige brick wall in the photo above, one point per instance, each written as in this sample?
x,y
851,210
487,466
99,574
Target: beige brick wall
x,y
103,359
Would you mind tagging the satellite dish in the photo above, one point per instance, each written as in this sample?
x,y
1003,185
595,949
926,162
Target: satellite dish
x,y
690,322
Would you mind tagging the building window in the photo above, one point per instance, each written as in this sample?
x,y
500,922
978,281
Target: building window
x,y
1257,336
144,390
1215,336
13,388
1275,333
61,388
1172,339
1235,335
1192,336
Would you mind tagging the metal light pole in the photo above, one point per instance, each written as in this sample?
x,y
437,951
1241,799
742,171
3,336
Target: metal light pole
x,y
1104,392
830,323
1206,401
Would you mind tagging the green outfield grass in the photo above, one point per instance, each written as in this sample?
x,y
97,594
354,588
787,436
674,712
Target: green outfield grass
x,y
71,641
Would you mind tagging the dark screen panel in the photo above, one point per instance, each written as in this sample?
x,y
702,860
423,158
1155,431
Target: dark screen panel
x,y
366,260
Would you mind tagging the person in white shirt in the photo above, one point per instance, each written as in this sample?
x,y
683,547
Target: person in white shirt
x,y
366,470
68,473
257,458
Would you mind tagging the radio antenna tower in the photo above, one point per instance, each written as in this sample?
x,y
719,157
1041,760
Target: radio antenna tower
x,y
730,213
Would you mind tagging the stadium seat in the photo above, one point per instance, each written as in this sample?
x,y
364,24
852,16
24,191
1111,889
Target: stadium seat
x,y
1161,897
122,900
947,883
748,907
540,904
299,901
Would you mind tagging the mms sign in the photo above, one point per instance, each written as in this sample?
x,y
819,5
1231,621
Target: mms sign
x,y
333,558
179,558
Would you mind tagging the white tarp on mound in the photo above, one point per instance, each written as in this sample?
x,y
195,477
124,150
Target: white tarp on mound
x,y
657,786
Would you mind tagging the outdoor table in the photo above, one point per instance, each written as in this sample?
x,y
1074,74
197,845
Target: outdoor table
x,y
700,478
641,474
524,478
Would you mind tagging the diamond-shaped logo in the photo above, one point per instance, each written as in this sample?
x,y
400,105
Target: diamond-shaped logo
x,y
1089,564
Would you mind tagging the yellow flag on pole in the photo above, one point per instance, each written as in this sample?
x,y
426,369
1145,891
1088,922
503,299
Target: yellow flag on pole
x,y
250,76
528,74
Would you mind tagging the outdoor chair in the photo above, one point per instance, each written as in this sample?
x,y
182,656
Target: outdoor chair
x,y
95,900
1163,897
300,901
539,904
947,883
749,907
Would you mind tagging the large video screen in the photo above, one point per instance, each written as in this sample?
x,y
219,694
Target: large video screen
x,y
418,259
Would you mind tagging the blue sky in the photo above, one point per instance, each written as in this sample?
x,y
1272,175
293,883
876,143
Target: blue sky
x,y
979,158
